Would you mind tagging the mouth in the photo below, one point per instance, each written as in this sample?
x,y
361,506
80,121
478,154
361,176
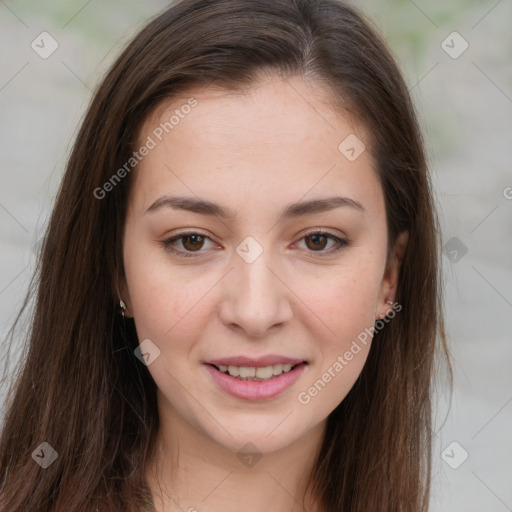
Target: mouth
x,y
256,374
255,381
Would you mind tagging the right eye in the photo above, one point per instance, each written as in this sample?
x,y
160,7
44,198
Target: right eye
x,y
191,241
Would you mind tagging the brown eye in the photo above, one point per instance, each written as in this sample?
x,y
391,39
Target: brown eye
x,y
194,242
318,241
191,244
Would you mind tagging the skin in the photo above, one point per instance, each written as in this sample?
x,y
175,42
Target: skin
x,y
254,153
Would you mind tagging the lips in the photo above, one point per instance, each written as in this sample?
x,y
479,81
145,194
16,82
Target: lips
x,y
255,378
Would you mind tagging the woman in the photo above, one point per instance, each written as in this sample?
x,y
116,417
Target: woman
x,y
238,299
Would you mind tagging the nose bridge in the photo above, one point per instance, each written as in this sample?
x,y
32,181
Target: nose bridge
x,y
254,298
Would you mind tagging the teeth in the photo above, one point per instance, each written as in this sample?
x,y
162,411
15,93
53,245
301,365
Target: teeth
x,y
277,369
264,372
234,371
245,371
253,373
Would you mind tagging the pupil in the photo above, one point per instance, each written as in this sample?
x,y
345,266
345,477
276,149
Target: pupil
x,y
196,239
316,239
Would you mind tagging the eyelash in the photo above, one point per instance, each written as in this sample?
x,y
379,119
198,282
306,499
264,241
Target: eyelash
x,y
167,244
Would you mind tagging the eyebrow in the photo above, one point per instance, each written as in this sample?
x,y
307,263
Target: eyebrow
x,y
203,207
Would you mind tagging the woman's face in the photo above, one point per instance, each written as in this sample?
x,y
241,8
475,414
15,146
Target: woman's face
x,y
225,267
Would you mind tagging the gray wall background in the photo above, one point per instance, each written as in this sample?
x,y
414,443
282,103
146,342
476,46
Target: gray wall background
x,y
465,104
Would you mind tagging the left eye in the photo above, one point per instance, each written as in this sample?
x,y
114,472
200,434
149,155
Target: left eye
x,y
319,240
193,243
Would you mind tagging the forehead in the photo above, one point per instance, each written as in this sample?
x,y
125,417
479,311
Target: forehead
x,y
276,141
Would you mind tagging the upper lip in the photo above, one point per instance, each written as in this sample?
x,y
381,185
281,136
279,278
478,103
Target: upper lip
x,y
255,362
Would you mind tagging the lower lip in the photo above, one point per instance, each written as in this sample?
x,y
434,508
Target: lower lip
x,y
254,390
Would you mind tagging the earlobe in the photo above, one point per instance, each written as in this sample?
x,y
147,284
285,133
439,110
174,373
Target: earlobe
x,y
123,298
123,308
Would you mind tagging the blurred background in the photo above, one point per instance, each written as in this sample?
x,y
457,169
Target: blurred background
x,y
456,56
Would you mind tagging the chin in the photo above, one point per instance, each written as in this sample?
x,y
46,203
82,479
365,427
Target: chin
x,y
263,436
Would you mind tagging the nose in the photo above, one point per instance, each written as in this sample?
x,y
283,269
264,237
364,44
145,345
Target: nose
x,y
255,298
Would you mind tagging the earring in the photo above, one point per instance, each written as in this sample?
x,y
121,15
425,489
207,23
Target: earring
x,y
382,315
122,305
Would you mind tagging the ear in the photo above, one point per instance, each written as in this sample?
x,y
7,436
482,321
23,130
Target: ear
x,y
390,280
124,295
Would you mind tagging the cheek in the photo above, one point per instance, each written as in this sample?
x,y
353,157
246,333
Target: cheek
x,y
346,308
166,299
344,299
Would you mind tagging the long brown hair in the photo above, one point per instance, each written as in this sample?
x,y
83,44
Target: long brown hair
x,y
80,387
